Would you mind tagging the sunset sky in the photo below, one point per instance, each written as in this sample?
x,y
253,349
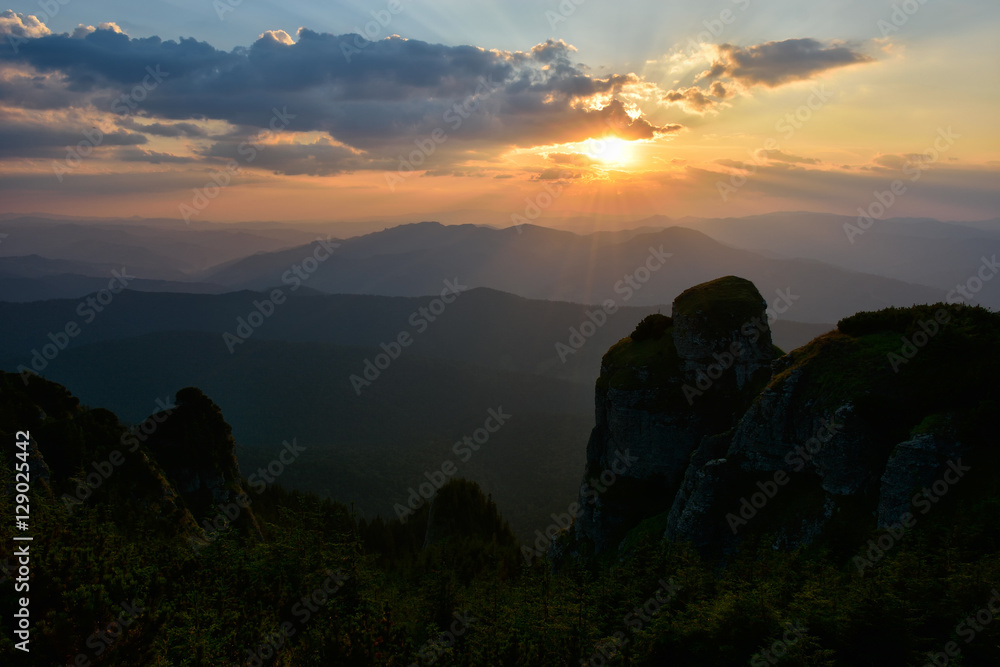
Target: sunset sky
x,y
474,111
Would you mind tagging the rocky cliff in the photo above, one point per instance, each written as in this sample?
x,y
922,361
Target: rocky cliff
x,y
171,473
867,426
195,447
675,383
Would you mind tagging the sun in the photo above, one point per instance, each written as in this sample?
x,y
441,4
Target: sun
x,y
610,150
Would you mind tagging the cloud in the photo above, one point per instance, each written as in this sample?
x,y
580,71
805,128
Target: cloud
x,y
279,36
84,30
377,99
576,159
781,156
692,99
775,63
132,154
319,158
771,64
82,184
460,172
20,139
21,25
897,161
556,174
775,159
717,89
163,129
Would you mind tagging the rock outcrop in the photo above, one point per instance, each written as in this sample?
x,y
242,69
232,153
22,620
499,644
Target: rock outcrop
x,y
731,437
674,383
194,446
171,473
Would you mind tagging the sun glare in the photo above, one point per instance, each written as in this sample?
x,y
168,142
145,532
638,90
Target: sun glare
x,y
610,150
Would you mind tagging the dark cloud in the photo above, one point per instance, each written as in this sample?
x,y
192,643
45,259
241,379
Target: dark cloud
x,y
789,158
132,154
81,184
315,159
693,99
163,129
775,63
23,140
895,162
460,172
774,159
717,89
557,174
577,159
734,164
378,98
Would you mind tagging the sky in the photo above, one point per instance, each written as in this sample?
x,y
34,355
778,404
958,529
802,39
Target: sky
x,y
499,112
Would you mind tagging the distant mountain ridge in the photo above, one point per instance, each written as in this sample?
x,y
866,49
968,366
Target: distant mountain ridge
x,y
483,326
541,263
894,262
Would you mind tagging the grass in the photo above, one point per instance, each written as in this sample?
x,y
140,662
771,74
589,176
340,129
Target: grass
x,y
649,530
841,367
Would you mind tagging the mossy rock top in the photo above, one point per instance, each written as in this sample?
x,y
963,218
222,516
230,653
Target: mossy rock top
x,y
943,383
645,364
723,303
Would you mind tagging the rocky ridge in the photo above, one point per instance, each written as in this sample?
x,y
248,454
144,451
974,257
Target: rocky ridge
x,y
733,438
